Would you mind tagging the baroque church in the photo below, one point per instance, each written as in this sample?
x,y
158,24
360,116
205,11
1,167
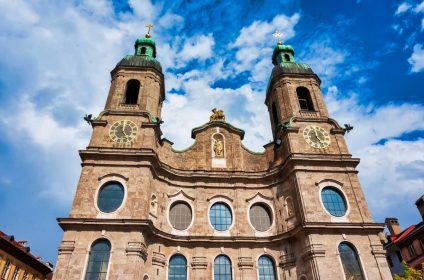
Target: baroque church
x,y
216,210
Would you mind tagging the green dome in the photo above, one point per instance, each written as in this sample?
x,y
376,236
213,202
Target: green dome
x,y
280,48
140,61
145,40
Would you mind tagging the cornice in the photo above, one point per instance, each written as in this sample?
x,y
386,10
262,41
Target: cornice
x,y
162,171
146,226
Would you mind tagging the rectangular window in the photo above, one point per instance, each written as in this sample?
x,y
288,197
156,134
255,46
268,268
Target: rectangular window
x,y
389,260
411,251
15,273
5,272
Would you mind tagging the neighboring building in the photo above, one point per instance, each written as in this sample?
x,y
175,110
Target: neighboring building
x,y
216,210
17,263
407,245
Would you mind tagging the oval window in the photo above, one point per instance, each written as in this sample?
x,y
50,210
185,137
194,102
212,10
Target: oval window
x,y
333,201
220,216
260,217
180,215
110,197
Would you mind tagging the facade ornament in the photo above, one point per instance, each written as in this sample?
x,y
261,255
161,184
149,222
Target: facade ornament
x,y
218,148
218,115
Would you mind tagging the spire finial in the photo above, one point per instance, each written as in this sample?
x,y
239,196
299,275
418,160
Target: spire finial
x,y
277,35
149,26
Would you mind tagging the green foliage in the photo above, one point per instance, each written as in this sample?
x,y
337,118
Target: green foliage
x,y
410,273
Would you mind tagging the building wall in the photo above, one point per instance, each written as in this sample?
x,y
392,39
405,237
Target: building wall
x,y
17,264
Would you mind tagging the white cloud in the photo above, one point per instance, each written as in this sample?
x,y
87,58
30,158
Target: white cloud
x,y
422,24
419,8
417,58
388,167
403,8
197,47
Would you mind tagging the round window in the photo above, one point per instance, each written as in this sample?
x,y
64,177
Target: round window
x,y
220,216
333,201
110,197
180,215
260,217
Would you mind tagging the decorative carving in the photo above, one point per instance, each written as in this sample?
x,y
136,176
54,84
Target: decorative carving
x,y
66,247
218,115
218,146
245,263
153,205
158,259
289,207
136,249
199,263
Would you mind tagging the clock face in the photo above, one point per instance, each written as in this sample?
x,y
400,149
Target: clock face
x,y
316,136
123,131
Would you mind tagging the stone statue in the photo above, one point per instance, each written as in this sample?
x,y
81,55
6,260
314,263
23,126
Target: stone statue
x,y
218,115
218,148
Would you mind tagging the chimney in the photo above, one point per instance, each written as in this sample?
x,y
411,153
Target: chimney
x,y
420,206
392,225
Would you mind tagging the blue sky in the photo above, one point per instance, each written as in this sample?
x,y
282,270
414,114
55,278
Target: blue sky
x,y
56,57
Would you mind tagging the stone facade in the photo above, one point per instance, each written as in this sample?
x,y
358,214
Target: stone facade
x,y
287,178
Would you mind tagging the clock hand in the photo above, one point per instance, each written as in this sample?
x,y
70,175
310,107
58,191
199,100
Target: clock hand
x,y
316,134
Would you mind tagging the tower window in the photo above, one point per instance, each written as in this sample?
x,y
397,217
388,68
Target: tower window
x,y
333,201
143,51
131,94
274,113
304,97
177,268
350,262
110,197
99,260
286,58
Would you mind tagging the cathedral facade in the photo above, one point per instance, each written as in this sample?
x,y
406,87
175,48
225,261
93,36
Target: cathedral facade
x,y
217,210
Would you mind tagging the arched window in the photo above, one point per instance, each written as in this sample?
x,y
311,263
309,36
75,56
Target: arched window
x,y
98,261
222,268
266,268
304,97
350,261
286,58
177,268
143,51
131,94
274,113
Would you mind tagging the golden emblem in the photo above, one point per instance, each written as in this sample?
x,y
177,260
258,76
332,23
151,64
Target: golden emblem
x,y
218,115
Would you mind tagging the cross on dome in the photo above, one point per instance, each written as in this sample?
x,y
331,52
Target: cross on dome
x,y
149,26
277,35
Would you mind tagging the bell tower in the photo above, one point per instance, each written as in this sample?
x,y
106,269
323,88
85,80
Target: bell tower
x,y
293,90
137,81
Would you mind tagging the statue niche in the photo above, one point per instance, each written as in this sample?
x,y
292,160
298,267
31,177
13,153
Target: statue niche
x,y
217,146
218,151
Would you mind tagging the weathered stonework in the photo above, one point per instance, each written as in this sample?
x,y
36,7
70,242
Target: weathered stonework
x,y
287,177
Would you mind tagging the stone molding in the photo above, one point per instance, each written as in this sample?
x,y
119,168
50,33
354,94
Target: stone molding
x,y
158,259
66,247
137,249
313,251
287,260
245,263
199,262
